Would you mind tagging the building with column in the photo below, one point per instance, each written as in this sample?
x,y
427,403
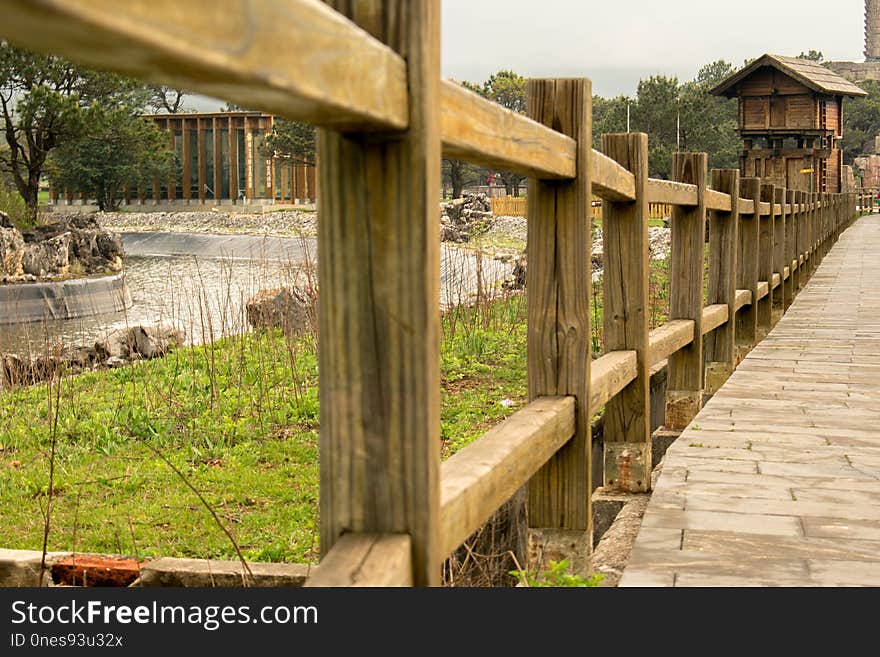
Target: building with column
x,y
218,160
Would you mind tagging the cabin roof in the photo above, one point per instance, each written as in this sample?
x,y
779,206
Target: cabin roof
x,y
809,73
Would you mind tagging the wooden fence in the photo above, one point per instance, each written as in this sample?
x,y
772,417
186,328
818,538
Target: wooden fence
x,y
517,206
390,511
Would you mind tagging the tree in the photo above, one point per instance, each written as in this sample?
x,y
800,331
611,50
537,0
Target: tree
x,y
291,140
165,98
508,89
609,117
116,147
708,122
458,174
861,122
655,112
43,100
813,56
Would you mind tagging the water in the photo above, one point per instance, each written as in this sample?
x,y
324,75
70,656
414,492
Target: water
x,y
201,283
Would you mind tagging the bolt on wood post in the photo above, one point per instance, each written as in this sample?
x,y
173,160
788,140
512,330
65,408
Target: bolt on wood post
x,y
779,251
379,325
766,236
720,352
627,430
684,384
747,270
558,289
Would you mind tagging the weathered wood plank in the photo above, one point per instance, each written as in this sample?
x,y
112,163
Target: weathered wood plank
x,y
670,338
747,271
610,180
779,251
672,192
483,132
723,238
477,480
559,284
684,387
714,316
716,200
379,325
625,239
609,374
743,298
366,560
766,249
299,60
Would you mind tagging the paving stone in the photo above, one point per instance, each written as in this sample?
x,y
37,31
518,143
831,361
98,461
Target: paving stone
x,y
776,482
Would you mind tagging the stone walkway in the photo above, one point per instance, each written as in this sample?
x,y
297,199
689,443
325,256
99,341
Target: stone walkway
x,y
777,480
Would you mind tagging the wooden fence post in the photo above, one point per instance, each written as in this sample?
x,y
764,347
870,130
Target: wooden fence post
x,y
766,249
627,430
791,197
747,271
559,286
779,264
379,325
723,239
684,384
801,239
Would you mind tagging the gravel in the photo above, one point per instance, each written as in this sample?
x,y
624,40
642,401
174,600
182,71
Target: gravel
x,y
286,222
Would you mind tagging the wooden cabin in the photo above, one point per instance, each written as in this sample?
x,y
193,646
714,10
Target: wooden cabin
x,y
791,121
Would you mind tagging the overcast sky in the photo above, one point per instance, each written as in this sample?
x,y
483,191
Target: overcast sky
x,y
617,42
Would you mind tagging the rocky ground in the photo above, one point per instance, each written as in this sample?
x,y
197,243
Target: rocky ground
x,y
60,247
287,223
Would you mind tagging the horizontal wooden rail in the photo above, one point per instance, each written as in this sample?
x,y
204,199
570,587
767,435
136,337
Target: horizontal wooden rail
x,y
764,208
743,298
366,560
776,280
477,480
669,338
610,180
609,374
746,206
714,316
716,200
299,59
483,132
763,289
671,193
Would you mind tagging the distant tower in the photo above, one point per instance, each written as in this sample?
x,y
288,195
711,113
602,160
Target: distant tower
x,y
872,30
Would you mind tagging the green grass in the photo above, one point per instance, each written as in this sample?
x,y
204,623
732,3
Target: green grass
x,y
240,419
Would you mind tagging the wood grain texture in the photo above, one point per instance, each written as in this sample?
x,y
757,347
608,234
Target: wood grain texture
x,y
483,132
609,374
610,180
233,160
296,59
742,298
559,286
672,192
477,480
723,239
366,560
766,248
379,325
716,200
714,316
779,249
625,285
687,235
791,243
669,339
218,161
747,271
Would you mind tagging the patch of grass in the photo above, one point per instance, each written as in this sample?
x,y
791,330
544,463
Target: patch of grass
x,y
239,418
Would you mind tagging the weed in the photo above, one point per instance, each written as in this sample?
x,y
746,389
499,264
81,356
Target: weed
x,y
557,575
